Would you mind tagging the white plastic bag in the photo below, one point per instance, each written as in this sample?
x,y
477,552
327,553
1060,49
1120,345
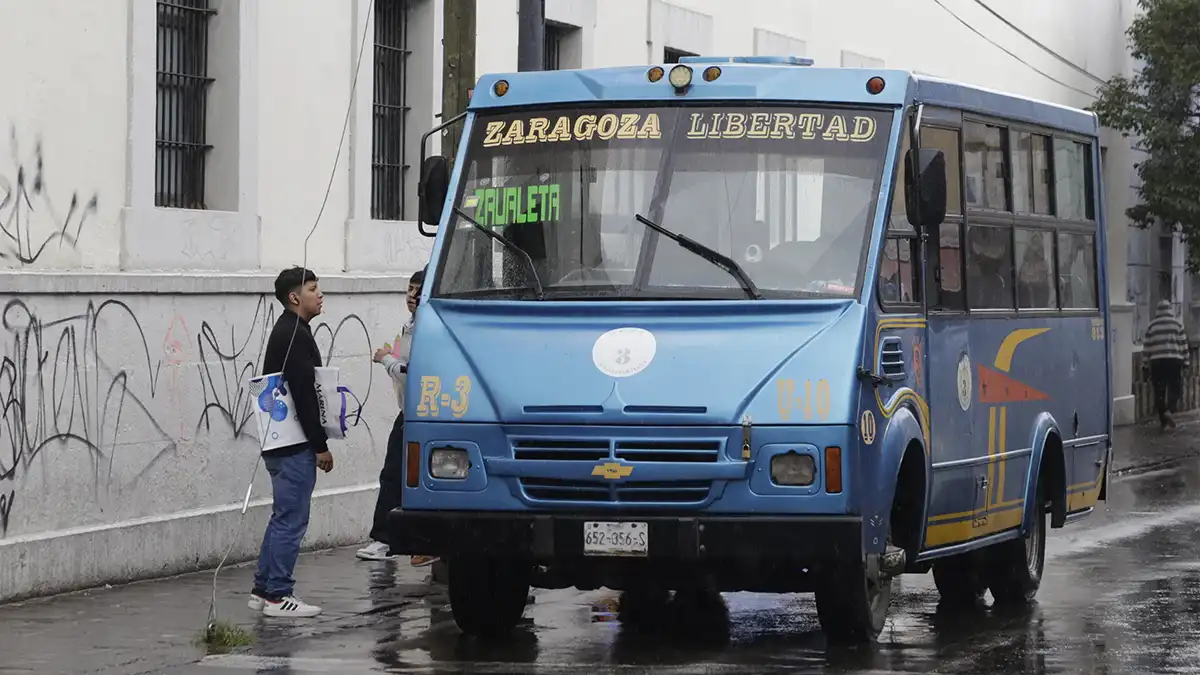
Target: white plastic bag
x,y
332,403
274,412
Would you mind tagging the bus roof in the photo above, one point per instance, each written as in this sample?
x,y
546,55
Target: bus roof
x,y
773,80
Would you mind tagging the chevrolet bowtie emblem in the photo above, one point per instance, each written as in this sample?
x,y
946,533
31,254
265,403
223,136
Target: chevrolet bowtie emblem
x,y
612,471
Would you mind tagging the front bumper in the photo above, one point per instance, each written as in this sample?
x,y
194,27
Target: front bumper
x,y
559,536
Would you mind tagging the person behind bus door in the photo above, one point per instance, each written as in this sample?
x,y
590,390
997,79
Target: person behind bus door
x,y
391,478
1166,347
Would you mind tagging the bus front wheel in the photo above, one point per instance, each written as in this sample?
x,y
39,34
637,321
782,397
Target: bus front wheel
x,y
853,600
488,597
852,604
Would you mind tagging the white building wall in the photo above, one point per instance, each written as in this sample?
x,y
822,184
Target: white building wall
x,y
128,330
149,319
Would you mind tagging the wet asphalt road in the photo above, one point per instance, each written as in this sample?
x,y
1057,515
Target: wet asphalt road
x,y
1121,594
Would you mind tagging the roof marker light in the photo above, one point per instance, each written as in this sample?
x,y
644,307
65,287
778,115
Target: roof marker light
x,y
655,74
875,85
501,87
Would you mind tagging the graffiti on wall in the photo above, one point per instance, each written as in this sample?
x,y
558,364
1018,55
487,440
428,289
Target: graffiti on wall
x,y
55,388
31,223
91,381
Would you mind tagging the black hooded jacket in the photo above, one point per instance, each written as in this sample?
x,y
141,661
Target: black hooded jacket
x,y
300,377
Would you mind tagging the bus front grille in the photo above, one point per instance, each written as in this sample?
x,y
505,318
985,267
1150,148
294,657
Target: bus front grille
x,y
688,451
561,450
661,492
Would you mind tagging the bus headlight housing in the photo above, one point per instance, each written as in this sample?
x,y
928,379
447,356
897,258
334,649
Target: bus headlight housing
x,y
793,468
449,463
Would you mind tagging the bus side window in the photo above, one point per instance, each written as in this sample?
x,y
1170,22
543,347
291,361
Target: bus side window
x,y
1077,270
897,277
945,246
1035,269
990,266
899,281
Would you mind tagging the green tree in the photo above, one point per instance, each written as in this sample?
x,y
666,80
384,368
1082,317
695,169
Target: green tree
x,y
1160,105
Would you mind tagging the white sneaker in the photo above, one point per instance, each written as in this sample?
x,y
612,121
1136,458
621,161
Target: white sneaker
x,y
256,602
376,550
290,606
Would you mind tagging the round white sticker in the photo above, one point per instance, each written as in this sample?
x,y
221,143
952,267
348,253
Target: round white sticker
x,y
964,382
624,351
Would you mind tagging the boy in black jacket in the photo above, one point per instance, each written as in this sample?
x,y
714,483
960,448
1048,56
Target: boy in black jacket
x,y
293,469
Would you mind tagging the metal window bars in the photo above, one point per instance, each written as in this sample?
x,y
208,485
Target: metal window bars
x,y
389,167
182,103
552,42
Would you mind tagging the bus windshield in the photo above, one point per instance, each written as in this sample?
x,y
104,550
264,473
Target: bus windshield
x,y
787,193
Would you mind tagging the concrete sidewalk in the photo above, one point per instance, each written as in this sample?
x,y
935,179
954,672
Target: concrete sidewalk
x,y
148,626
1145,447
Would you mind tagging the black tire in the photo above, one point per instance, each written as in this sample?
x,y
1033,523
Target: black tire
x,y
643,607
488,597
851,607
1016,571
960,581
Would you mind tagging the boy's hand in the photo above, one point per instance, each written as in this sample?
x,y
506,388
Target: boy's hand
x,y
381,352
325,461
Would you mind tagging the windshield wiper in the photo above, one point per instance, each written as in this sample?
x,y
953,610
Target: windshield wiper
x,y
533,275
724,262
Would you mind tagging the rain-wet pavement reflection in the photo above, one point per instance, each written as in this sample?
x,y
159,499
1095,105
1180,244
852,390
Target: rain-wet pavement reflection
x,y
1120,594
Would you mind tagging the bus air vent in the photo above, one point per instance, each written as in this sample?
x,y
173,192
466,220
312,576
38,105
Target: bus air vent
x,y
891,357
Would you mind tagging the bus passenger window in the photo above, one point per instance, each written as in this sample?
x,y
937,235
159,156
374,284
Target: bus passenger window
x,y
1035,270
990,267
983,153
946,140
1070,180
950,290
896,279
1041,175
1022,179
1077,270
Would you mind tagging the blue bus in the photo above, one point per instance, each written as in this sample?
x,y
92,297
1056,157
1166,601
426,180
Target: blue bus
x,y
745,324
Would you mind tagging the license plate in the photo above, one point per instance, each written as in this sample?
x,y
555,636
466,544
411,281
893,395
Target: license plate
x,y
616,539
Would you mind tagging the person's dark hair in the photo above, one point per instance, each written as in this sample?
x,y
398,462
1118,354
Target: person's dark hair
x,y
418,277
290,281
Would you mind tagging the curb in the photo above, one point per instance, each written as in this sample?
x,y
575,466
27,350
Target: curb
x,y
1138,469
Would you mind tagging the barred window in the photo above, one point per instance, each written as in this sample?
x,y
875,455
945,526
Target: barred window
x,y
388,157
554,35
182,103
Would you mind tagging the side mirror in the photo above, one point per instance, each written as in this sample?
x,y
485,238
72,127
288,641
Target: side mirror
x,y
926,208
431,191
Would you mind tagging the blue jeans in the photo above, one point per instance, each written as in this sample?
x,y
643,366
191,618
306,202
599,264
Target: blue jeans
x,y
292,481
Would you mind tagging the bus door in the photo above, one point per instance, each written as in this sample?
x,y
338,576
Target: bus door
x,y
959,485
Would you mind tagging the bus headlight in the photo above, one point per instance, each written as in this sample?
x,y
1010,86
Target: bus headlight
x,y
449,463
792,468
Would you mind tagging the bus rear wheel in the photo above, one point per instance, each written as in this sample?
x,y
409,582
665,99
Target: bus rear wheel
x,y
488,596
1016,571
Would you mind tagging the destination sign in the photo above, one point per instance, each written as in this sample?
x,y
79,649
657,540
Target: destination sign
x,y
711,125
